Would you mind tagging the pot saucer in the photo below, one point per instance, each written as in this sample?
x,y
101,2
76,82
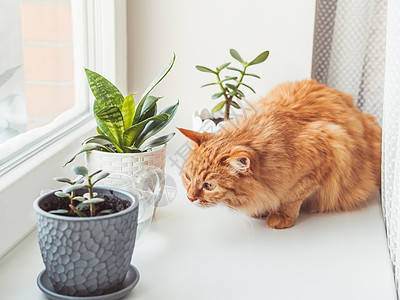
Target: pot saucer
x,y
131,279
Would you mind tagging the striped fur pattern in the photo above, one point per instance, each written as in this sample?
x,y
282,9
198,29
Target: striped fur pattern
x,y
307,147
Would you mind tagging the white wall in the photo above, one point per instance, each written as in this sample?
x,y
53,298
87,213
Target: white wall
x,y
202,32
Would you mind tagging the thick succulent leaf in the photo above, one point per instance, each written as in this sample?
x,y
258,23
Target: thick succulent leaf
x,y
148,110
235,105
87,195
249,87
77,211
217,95
131,134
231,86
111,123
229,78
205,69
82,206
93,200
240,93
157,80
80,170
59,211
74,187
101,176
155,126
79,198
252,75
88,147
63,179
236,55
158,141
106,212
208,84
95,173
218,107
105,92
223,66
260,58
62,194
235,69
128,111
6,76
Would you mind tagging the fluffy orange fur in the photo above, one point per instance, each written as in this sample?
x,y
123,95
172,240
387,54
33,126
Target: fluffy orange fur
x,y
307,147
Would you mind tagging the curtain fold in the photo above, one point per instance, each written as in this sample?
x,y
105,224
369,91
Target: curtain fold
x,y
391,138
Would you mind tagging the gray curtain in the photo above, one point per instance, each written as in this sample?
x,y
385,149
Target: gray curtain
x,y
349,49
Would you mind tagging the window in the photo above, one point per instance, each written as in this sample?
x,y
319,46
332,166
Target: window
x,y
51,109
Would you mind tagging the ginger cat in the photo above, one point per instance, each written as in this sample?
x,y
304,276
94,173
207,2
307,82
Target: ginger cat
x,y
307,147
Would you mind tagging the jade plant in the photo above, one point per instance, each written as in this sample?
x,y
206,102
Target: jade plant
x,y
123,126
229,86
83,206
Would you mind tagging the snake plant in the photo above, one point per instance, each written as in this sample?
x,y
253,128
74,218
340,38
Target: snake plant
x,y
123,126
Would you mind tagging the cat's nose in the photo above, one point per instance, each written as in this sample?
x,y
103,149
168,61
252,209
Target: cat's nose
x,y
191,199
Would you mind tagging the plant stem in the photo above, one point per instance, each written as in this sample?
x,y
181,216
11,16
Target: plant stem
x,y
228,100
91,205
241,77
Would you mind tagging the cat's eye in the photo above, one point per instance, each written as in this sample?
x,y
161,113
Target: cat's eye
x,y
187,176
209,186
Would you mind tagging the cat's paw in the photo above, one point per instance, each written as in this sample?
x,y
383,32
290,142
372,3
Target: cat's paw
x,y
278,220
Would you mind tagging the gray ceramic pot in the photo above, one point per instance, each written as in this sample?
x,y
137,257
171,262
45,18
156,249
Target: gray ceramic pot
x,y
87,256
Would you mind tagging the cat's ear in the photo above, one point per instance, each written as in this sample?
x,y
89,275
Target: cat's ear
x,y
240,162
196,137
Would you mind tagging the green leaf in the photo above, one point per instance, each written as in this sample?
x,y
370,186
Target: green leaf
x,y
58,211
253,75
74,187
218,107
99,131
79,198
235,105
63,179
88,147
236,55
231,86
93,200
217,95
81,206
131,134
101,137
77,211
260,58
221,67
158,141
62,194
148,106
157,80
80,170
240,93
101,176
249,87
229,78
208,84
111,123
205,69
128,111
106,211
235,69
155,126
105,92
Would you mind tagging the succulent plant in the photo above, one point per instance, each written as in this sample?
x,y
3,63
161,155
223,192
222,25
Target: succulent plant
x,y
123,126
88,200
230,85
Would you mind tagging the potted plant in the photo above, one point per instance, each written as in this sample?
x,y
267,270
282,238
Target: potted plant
x,y
86,237
125,130
229,91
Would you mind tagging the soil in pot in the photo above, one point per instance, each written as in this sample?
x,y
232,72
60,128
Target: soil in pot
x,y
113,203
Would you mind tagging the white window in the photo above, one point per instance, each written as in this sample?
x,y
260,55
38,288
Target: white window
x,y
45,107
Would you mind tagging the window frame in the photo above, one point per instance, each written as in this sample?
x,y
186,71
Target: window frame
x,y
100,43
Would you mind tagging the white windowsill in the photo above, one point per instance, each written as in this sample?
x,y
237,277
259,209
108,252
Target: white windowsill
x,y
194,253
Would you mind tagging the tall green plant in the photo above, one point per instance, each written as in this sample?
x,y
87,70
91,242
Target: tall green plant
x,y
229,86
123,126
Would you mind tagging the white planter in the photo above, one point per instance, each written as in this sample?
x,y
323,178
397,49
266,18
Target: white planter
x,y
202,121
127,163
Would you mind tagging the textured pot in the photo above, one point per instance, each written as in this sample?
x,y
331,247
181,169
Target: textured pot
x,y
87,256
127,163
